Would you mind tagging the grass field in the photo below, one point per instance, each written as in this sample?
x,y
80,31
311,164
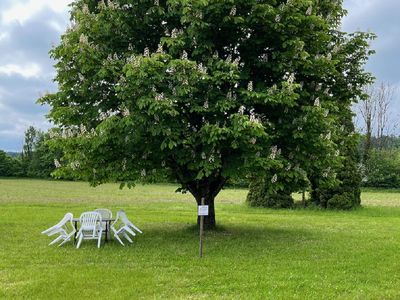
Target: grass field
x,y
254,254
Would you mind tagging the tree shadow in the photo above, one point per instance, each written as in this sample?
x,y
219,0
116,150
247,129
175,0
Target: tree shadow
x,y
225,240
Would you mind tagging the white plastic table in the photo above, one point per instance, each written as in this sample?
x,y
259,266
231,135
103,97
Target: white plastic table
x,y
104,220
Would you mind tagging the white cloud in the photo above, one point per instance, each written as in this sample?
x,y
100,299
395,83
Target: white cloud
x,y
28,71
22,12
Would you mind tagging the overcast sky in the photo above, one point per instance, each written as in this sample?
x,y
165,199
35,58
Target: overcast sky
x,y
28,29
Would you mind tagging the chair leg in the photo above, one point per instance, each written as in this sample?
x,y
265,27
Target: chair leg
x,y
119,240
127,237
56,240
67,239
79,241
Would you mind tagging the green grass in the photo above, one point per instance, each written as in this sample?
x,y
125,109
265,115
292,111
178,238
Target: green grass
x,y
255,253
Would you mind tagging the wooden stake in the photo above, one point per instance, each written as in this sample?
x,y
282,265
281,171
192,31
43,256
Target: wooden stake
x,y
201,231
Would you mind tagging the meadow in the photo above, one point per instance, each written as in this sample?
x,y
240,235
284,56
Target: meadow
x,y
254,254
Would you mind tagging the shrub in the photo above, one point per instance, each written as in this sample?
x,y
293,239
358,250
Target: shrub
x,y
382,169
261,196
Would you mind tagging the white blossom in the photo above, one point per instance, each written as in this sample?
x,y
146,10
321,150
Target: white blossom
x,y
264,57
291,78
125,112
205,105
274,178
83,39
85,9
160,49
326,112
241,109
201,68
329,56
160,97
278,18
328,136
57,163
174,33
254,119
184,55
199,14
253,140
146,52
233,11
288,167
250,86
309,10
211,159
274,150
203,155
156,2
75,165
316,102
82,128
143,173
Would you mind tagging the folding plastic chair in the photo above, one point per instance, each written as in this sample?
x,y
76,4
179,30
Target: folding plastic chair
x,y
91,228
124,227
105,214
61,228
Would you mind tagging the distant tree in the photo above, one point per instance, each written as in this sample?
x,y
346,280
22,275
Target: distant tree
x,y
10,165
31,136
384,98
375,108
367,109
6,165
42,163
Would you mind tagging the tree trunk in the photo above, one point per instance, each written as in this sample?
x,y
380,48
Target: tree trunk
x,y
207,188
209,221
367,148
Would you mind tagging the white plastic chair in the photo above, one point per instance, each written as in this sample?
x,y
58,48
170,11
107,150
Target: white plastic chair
x,y
105,214
61,228
124,227
91,228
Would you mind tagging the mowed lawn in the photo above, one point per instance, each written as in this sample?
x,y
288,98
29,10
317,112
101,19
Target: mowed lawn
x,y
254,254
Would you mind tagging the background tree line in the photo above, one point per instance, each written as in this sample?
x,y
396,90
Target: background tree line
x,y
379,147
36,159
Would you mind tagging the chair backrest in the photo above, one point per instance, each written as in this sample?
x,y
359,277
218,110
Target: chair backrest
x,y
67,218
89,220
104,212
122,215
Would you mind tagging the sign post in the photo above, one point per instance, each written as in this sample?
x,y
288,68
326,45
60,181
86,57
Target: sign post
x,y
202,211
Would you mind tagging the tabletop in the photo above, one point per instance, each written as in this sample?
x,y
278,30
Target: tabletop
x,y
102,219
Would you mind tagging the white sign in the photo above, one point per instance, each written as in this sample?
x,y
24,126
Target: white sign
x,y
203,210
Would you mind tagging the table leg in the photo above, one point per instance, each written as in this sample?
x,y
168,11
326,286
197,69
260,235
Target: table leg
x,y
76,231
106,239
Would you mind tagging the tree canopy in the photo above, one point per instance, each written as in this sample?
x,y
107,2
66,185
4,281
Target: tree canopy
x,y
204,91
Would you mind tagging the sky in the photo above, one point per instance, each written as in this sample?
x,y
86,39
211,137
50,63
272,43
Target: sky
x,y
29,28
